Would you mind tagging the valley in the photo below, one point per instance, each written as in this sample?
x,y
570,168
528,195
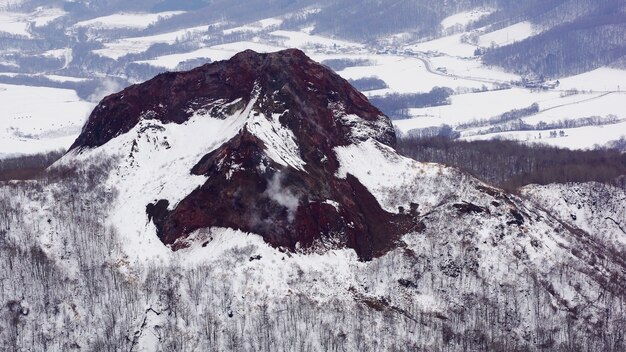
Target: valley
x,y
129,47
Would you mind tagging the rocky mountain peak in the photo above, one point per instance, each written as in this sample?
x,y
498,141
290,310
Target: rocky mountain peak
x,y
280,81
276,175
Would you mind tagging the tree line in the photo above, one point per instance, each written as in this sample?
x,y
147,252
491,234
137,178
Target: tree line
x,y
511,165
397,105
27,166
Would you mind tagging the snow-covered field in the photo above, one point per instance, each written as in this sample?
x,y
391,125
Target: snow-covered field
x,y
407,75
508,35
601,79
56,78
465,18
20,23
50,124
118,48
586,137
256,26
127,20
214,53
408,67
450,45
294,39
471,67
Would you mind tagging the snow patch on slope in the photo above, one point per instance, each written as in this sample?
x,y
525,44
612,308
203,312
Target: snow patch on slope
x,y
280,143
508,35
395,180
465,18
155,163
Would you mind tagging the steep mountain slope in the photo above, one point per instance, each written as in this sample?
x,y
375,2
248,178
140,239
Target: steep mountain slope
x,y
258,204
569,48
595,208
275,173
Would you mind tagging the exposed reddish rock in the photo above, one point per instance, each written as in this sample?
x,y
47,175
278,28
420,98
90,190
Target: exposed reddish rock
x,y
299,84
311,100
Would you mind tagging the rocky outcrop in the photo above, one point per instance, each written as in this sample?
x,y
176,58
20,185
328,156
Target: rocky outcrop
x,y
276,176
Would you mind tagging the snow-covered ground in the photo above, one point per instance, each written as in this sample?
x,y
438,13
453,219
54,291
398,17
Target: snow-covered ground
x,y
118,48
56,78
471,67
476,106
127,20
406,67
464,18
20,23
451,45
601,79
214,53
508,35
582,106
586,137
52,123
7,4
301,39
14,24
255,26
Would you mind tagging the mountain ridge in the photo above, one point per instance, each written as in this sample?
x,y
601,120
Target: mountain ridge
x,y
437,260
276,175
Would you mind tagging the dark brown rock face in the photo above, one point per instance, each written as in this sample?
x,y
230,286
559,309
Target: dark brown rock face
x,y
245,188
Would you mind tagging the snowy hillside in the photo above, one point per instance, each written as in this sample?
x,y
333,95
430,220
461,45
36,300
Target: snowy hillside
x,y
89,262
232,177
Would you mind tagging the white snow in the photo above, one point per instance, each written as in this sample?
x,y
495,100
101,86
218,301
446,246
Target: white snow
x,y
57,53
295,39
587,106
44,15
171,61
59,78
382,170
465,18
20,23
127,20
155,163
52,123
508,35
471,68
406,75
476,106
280,143
597,208
586,137
14,23
124,46
258,26
8,4
272,275
55,78
215,53
453,45
244,45
450,45
601,79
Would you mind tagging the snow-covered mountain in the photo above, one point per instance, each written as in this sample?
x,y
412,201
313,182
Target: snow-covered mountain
x,y
258,204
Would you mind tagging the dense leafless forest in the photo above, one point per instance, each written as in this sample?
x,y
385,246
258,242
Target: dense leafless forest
x,y
511,165
83,299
